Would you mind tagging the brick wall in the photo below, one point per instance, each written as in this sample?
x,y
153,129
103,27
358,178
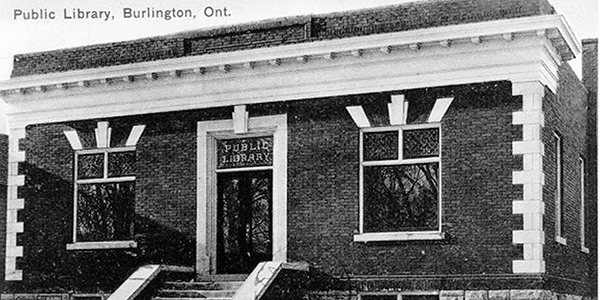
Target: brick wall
x,y
270,33
477,164
565,113
165,212
590,81
3,191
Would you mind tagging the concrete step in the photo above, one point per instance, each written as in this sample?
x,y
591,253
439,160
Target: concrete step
x,y
203,285
196,293
200,290
223,277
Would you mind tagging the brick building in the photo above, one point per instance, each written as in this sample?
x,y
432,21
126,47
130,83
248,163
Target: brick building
x,y
436,149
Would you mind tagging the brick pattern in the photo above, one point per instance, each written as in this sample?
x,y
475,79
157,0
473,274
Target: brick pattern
x,y
566,114
3,202
408,16
477,196
292,31
590,81
165,203
423,14
477,187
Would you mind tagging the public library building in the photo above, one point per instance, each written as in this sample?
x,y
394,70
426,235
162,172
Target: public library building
x,y
428,150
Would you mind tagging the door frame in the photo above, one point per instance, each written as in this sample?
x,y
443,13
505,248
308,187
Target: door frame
x,y
206,210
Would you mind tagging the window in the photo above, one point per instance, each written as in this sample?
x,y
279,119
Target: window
x,y
582,197
104,197
400,183
559,211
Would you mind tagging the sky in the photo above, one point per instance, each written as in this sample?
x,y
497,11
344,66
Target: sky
x,y
57,25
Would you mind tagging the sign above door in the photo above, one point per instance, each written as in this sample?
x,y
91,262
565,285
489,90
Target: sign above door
x,y
245,152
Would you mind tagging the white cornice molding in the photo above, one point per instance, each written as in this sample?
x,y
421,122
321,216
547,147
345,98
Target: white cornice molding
x,y
521,60
554,25
305,71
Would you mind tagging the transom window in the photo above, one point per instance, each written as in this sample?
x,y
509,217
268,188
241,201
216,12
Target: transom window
x,y
400,183
104,195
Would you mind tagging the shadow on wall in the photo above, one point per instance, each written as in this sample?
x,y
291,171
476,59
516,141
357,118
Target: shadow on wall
x,y
49,267
159,244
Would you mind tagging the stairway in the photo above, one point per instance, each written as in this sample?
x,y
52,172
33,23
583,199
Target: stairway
x,y
201,290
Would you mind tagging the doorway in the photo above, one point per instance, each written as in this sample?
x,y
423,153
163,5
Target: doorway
x,y
228,164
244,220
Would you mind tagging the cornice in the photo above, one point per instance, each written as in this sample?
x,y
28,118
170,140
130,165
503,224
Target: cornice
x,y
553,28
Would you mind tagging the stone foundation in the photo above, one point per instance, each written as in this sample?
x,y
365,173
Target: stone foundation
x,y
462,295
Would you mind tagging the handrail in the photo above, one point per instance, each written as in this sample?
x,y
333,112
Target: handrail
x,y
262,277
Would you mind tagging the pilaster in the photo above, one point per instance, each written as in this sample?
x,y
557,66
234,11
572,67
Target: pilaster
x,y
14,204
531,177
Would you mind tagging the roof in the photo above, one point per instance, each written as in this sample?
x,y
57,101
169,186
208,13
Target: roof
x,y
284,31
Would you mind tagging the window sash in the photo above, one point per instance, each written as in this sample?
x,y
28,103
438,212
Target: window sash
x,y
108,212
105,179
399,161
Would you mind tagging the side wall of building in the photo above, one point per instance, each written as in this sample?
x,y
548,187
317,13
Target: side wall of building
x,y
565,115
3,191
590,81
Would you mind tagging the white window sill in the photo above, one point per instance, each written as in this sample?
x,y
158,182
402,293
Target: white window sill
x,y
560,240
102,245
399,236
585,250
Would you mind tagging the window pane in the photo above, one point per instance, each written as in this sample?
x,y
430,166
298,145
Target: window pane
x,y
90,166
421,143
401,198
105,211
121,164
380,145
